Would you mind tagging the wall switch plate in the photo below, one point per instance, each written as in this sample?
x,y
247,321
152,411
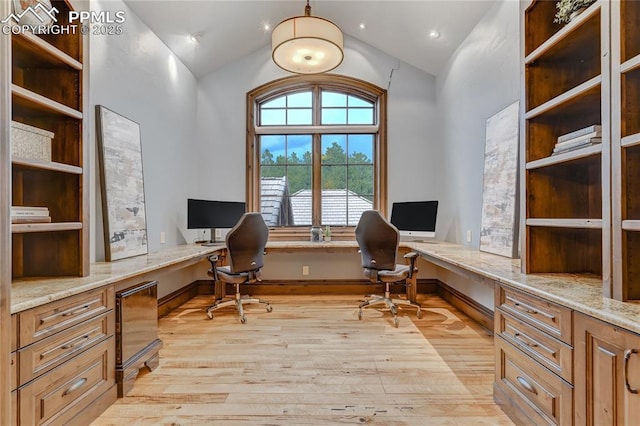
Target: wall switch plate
x,y
469,236
162,238
305,270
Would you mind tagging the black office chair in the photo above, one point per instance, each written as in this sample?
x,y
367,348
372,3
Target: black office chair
x,y
378,240
245,246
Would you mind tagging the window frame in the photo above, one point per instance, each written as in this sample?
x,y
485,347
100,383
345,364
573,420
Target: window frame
x,y
316,83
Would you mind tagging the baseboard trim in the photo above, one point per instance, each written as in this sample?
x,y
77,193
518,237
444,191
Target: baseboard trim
x,y
479,313
299,287
179,297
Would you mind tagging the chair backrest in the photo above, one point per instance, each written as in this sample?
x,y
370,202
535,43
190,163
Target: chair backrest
x,y
378,240
246,242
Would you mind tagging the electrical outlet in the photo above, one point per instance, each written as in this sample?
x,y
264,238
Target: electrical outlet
x,y
162,237
305,270
469,235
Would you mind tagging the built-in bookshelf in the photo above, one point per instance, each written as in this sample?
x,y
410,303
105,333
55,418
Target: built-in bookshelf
x,y
48,88
626,149
566,89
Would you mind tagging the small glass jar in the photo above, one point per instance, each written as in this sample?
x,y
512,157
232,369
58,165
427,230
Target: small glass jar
x,y
316,234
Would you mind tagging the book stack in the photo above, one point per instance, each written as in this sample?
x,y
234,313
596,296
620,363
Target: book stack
x,y
24,214
578,139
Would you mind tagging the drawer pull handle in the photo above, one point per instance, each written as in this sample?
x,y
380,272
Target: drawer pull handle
x,y
75,343
75,386
525,384
627,355
76,312
517,336
525,308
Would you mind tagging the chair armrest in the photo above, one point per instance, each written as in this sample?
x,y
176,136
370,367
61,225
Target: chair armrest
x,y
412,256
213,259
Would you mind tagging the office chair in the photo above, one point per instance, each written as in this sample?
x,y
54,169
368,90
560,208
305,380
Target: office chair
x,y
378,240
245,246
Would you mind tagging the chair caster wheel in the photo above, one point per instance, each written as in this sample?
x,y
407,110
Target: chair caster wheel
x,y
396,322
243,319
269,308
419,313
210,315
360,314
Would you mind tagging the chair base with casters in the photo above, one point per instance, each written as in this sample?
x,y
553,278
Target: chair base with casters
x,y
401,272
245,245
378,240
238,302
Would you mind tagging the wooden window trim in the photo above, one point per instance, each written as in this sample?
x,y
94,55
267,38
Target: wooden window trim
x,y
333,82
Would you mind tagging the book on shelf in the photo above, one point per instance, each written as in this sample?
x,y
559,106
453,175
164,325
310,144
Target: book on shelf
x,y
30,219
29,211
582,144
580,132
577,143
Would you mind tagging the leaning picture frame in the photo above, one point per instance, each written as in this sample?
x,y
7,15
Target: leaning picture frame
x,y
499,231
122,185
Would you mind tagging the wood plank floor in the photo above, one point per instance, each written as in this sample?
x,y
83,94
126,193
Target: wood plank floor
x,y
311,362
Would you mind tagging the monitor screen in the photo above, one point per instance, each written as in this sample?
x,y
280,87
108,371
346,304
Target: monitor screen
x,y
202,214
415,218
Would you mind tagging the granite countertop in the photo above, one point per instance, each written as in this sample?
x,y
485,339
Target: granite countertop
x,y
31,292
579,292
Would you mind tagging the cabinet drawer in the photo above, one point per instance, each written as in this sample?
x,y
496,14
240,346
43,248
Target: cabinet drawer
x,y
45,320
66,390
48,353
14,370
552,353
543,395
544,315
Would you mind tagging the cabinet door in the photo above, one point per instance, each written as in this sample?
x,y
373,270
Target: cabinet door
x,y
607,374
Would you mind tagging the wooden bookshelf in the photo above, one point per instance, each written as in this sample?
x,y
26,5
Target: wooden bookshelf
x,y
48,86
625,131
566,87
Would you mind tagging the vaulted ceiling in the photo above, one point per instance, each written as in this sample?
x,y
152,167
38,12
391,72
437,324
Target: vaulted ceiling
x,y
228,30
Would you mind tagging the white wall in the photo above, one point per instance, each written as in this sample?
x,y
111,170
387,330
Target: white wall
x,y
414,154
137,76
482,78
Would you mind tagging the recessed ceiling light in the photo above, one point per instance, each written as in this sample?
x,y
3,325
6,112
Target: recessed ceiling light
x,y
434,34
363,26
266,27
195,37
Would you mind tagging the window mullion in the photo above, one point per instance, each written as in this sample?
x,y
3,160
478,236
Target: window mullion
x,y
317,181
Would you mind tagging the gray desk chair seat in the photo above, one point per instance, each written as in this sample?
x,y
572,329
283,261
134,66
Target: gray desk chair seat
x,y
378,241
246,242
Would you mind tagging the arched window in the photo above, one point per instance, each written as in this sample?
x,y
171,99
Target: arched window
x,y
316,151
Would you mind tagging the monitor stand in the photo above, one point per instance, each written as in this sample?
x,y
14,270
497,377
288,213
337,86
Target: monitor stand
x,y
212,241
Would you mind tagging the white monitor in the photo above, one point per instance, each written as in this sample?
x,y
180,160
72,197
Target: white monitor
x,y
416,220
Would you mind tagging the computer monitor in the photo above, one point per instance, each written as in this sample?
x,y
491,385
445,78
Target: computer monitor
x,y
415,219
203,214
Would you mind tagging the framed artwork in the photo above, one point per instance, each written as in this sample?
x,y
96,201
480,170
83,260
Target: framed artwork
x,y
122,181
499,231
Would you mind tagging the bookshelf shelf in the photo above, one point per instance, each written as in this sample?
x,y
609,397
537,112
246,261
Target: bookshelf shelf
x,y
566,82
567,223
45,227
48,84
565,157
46,165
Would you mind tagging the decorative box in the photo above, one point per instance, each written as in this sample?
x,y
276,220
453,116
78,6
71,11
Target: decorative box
x,y
30,142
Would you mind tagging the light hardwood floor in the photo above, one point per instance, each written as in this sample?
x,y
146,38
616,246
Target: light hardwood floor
x,y
311,362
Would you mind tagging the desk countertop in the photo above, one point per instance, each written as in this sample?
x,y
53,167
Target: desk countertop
x,y
31,292
578,292
584,294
